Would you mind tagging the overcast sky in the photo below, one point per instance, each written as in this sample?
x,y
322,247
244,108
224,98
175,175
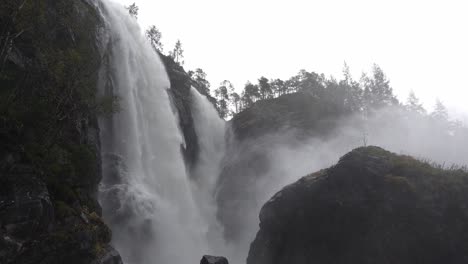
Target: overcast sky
x,y
420,44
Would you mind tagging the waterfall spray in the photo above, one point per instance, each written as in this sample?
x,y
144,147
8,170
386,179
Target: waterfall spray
x,y
146,193
158,212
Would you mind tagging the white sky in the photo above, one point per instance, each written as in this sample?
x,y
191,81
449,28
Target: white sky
x,y
420,44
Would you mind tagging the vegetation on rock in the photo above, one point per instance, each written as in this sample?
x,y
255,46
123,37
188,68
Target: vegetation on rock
x,y
372,207
48,132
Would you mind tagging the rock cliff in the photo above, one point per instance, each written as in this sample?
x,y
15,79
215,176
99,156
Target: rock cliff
x,y
49,156
373,206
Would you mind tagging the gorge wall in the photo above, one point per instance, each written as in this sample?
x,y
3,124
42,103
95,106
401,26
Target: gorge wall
x,y
49,156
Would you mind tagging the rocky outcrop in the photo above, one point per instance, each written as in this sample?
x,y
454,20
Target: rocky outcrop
x,y
302,112
25,208
255,133
371,207
181,84
49,136
213,260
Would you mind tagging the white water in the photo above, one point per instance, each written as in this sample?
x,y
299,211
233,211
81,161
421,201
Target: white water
x,y
210,130
147,196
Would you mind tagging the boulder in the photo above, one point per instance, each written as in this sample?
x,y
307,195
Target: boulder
x,y
111,256
206,259
372,207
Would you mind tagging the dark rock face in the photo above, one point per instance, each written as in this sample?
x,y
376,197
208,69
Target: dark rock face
x,y
254,133
182,101
213,260
372,207
300,111
49,136
111,256
25,209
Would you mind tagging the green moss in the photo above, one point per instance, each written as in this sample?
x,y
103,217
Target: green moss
x,y
62,210
399,182
43,101
84,160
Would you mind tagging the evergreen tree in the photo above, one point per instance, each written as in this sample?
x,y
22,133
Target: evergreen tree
x,y
348,79
245,101
233,98
154,36
133,10
352,93
236,102
440,112
264,88
250,94
177,53
278,87
413,104
311,82
292,84
199,77
222,98
377,90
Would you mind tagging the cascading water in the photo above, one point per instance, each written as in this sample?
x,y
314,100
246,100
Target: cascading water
x,y
210,130
146,194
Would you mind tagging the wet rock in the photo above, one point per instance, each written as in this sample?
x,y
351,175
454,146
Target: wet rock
x,y
181,99
50,168
25,209
213,260
110,257
372,207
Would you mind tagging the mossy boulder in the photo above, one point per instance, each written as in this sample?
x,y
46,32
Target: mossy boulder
x,y
372,207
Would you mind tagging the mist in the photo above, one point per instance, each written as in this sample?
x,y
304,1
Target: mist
x,y
287,156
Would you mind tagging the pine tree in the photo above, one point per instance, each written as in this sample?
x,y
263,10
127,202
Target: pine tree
x,y
222,98
177,53
413,104
154,36
352,93
278,87
264,88
199,77
440,112
377,90
133,10
311,82
236,102
250,94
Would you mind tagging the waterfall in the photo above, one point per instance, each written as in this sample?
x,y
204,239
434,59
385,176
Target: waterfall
x,y
156,212
210,130
146,193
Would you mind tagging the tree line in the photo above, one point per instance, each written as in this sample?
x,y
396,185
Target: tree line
x,y
371,91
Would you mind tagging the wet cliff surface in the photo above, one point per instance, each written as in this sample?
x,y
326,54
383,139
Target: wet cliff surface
x,y
182,101
373,206
49,156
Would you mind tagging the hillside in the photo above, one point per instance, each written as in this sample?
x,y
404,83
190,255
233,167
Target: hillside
x,y
255,133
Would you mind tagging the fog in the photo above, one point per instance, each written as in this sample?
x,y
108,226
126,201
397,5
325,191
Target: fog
x,y
285,157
